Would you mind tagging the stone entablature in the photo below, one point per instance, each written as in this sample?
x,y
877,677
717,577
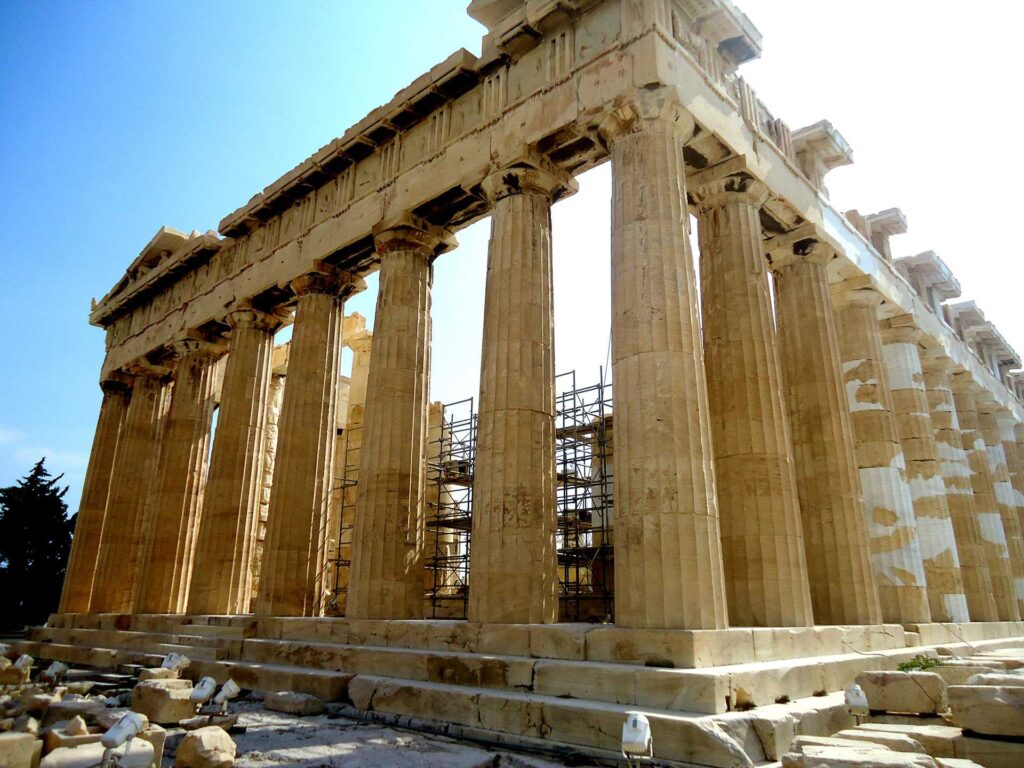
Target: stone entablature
x,y
428,150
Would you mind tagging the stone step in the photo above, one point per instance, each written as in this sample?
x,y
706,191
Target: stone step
x,y
326,684
686,738
134,639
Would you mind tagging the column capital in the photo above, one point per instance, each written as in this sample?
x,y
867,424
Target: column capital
x,y
936,361
246,316
409,232
143,368
901,334
716,188
857,292
194,347
326,278
116,381
528,174
805,251
964,382
657,105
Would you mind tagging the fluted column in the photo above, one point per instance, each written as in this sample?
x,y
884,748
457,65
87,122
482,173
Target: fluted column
x,y
386,578
118,570
843,589
169,543
221,582
92,510
888,506
762,540
1006,501
668,554
993,535
1008,426
512,567
956,475
295,550
935,532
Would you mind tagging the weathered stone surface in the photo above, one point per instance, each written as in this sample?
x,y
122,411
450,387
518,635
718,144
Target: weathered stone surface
x,y
158,673
937,740
956,762
992,753
17,750
995,678
293,703
163,701
991,710
88,709
904,691
851,757
205,748
897,742
140,754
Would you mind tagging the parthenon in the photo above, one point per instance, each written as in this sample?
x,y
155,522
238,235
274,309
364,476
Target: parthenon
x,y
814,450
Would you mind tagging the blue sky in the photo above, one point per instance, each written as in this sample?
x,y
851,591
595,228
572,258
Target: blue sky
x,y
119,117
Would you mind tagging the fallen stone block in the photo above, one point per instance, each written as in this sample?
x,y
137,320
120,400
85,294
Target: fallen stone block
x,y
87,709
205,748
918,692
26,724
158,673
956,762
74,733
17,750
293,703
897,742
957,673
164,701
992,753
852,757
1008,679
156,737
227,722
81,687
988,709
37,703
137,754
800,743
937,740
15,676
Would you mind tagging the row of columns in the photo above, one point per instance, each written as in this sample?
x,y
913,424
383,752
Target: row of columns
x,y
789,467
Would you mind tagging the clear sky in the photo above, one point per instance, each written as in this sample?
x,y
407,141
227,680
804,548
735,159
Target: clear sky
x,y
119,117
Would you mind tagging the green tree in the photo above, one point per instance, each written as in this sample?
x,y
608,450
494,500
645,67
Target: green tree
x,y
35,538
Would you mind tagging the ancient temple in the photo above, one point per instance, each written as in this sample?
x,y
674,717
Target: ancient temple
x,y
827,460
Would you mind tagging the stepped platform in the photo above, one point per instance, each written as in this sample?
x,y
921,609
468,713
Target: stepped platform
x,y
714,697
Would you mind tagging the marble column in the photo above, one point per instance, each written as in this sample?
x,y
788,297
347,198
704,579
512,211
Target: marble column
x,y
169,542
1014,457
762,539
295,551
668,552
386,577
118,568
512,565
1006,501
888,506
92,510
843,589
956,475
935,532
993,535
221,582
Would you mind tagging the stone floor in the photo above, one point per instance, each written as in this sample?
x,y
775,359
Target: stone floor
x,y
273,738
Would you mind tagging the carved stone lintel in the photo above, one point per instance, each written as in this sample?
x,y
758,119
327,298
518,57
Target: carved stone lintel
x,y
855,297
808,251
529,175
190,346
325,278
413,233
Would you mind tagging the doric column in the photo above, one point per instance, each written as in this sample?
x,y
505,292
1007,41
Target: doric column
x,y
169,542
888,506
762,540
221,582
843,589
993,535
386,578
513,568
668,554
268,452
1008,425
956,475
118,570
1006,501
295,556
92,510
935,531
